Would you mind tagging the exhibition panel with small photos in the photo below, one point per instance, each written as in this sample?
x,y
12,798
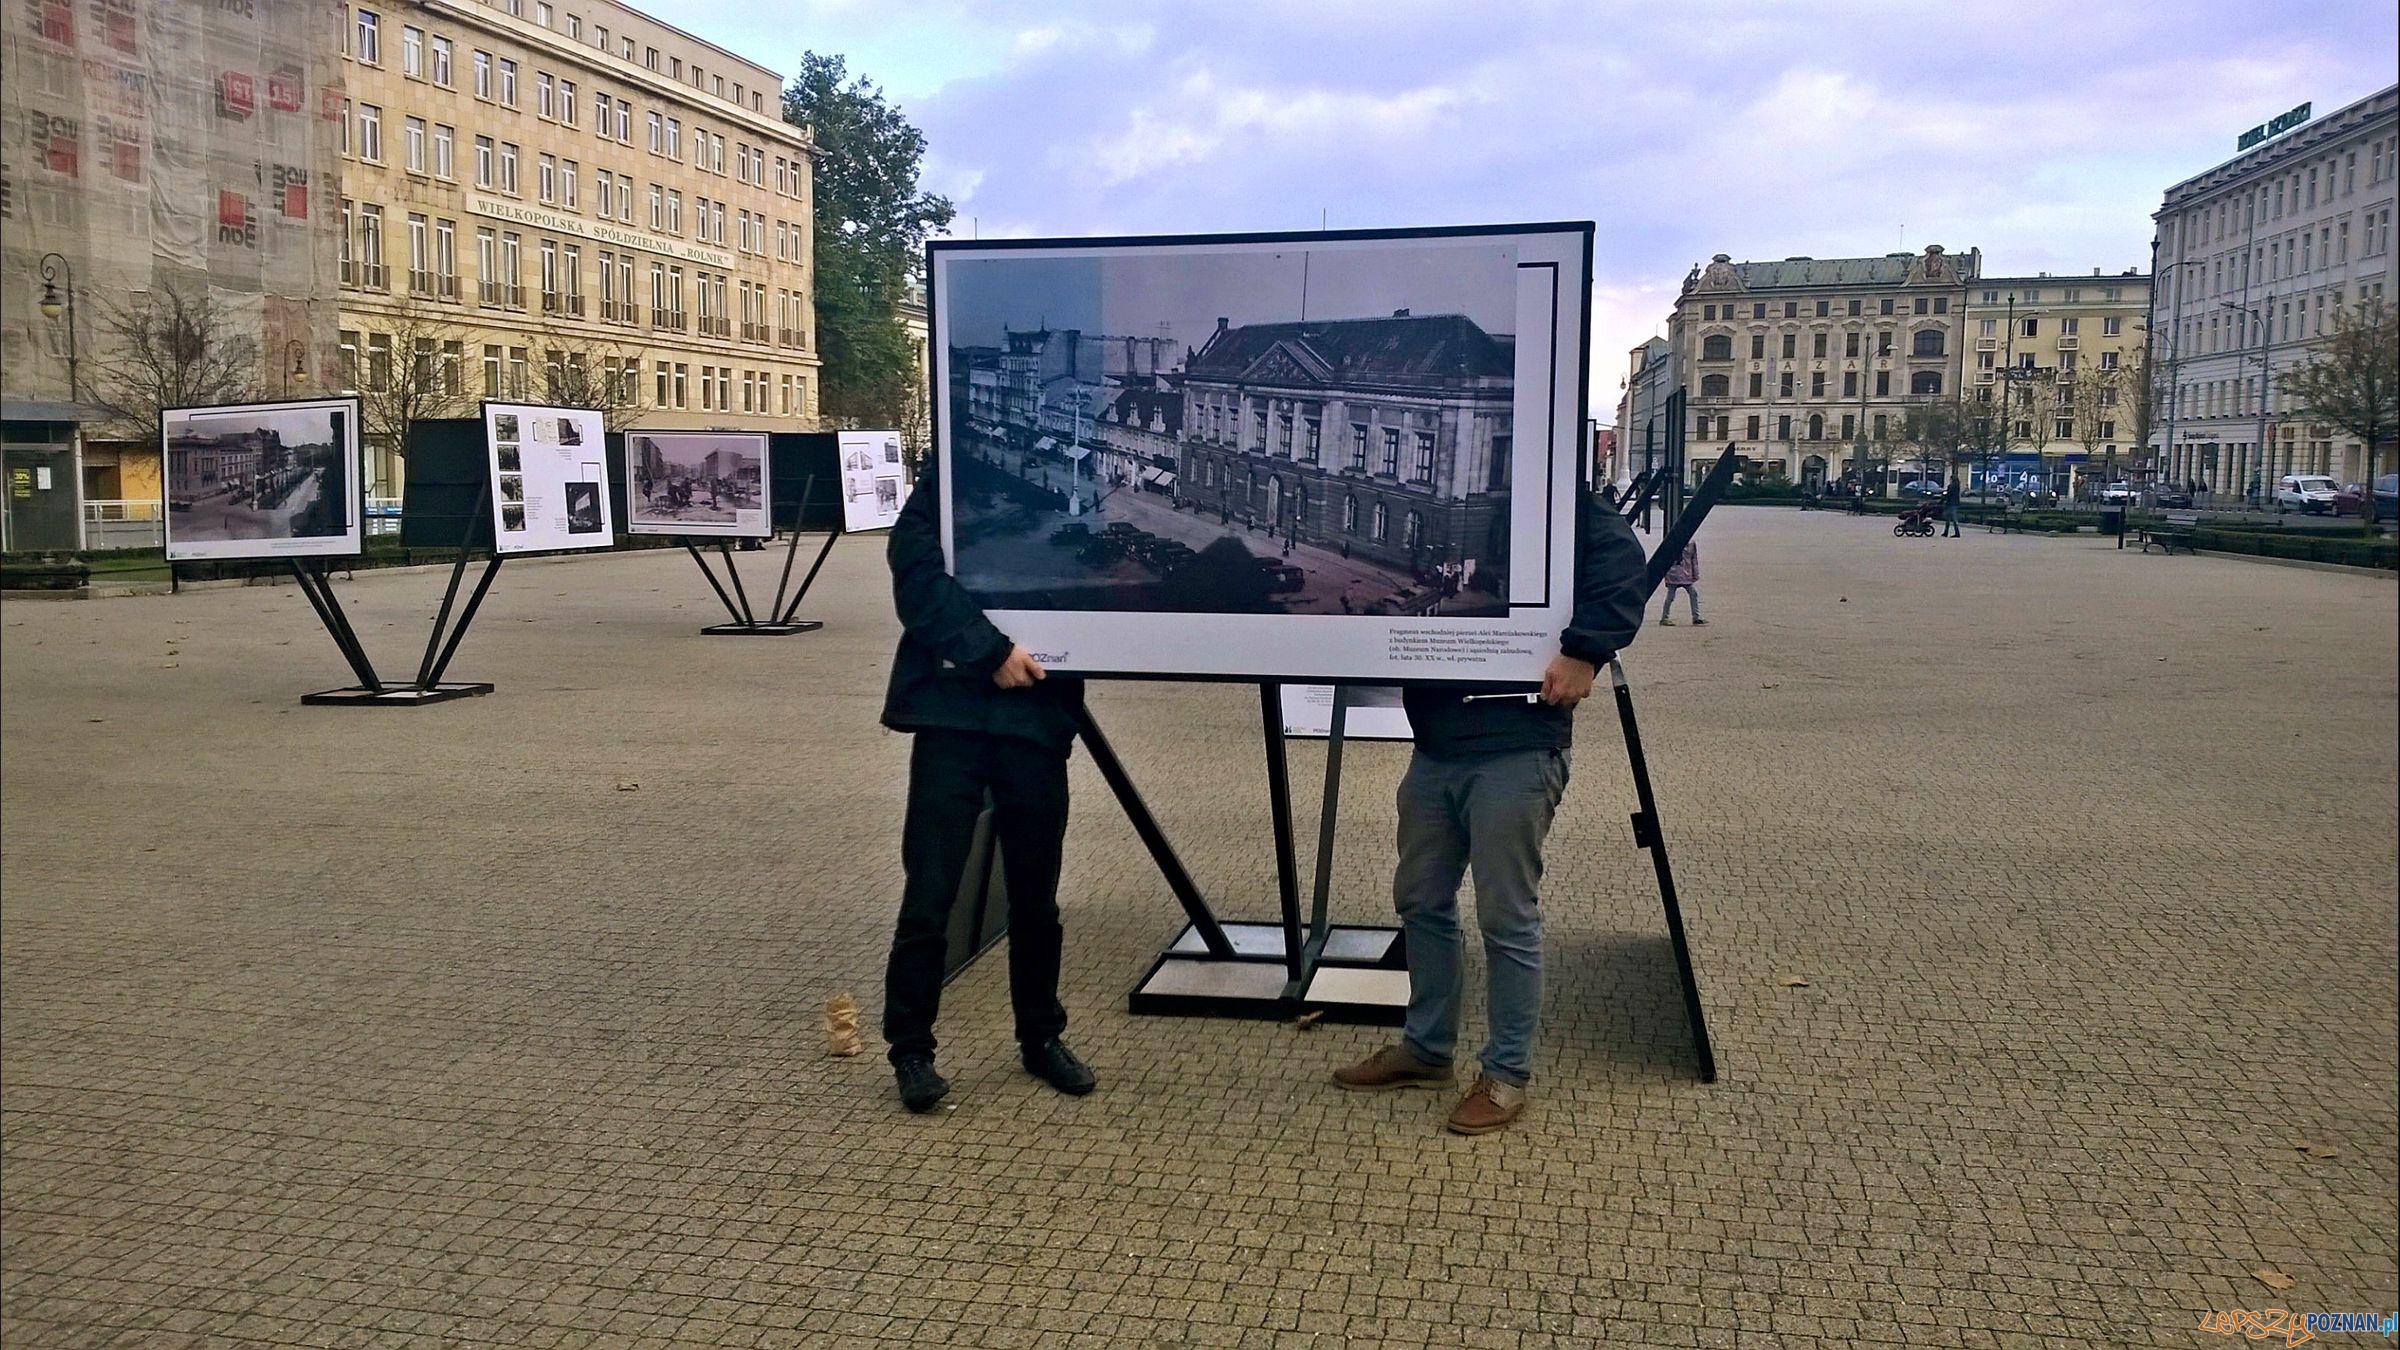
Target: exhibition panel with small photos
x,y
263,480
874,479
549,478
697,483
1346,456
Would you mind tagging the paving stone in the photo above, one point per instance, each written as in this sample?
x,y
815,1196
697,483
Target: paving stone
x,y
371,1026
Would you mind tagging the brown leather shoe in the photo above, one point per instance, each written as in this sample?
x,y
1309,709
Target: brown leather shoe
x,y
1393,1067
1489,1105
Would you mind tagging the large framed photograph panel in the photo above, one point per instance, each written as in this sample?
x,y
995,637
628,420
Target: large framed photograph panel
x,y
263,480
549,469
1343,456
712,484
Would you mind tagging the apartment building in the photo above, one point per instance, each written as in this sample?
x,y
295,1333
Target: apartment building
x,y
2255,258
571,200
1812,365
2063,356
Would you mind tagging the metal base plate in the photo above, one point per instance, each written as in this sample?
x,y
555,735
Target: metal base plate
x,y
1361,978
391,696
763,629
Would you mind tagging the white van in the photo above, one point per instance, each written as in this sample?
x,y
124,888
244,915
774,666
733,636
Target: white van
x,y
2304,492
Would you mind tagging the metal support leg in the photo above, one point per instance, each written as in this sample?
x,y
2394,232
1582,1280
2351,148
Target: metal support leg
x,y
1104,758
1647,834
805,582
799,521
725,551
321,599
1320,914
1279,803
441,618
465,616
722,598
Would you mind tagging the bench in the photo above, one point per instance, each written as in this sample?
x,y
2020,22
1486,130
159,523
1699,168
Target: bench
x,y
2008,517
2169,530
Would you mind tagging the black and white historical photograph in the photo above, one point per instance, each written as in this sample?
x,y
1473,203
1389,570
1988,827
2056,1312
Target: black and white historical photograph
x,y
583,508
508,459
1316,431
512,487
570,432
699,482
504,427
260,479
512,518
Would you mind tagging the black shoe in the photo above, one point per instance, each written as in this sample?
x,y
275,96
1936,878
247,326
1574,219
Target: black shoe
x,y
1055,1064
921,1086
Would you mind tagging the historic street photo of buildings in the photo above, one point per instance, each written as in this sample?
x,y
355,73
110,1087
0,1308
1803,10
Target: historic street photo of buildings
x,y
254,480
697,482
1296,430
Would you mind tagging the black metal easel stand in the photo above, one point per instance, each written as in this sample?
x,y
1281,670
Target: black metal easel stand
x,y
428,686
1648,835
780,620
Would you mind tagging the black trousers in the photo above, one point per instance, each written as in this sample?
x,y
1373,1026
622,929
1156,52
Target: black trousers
x,y
948,774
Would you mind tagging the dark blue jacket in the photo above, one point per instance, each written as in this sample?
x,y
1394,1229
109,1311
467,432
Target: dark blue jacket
x,y
1610,592
942,673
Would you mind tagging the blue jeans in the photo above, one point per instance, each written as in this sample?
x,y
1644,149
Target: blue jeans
x,y
1691,592
1491,812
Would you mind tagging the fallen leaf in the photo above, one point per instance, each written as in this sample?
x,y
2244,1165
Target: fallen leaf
x,y
1309,1019
1845,599
1794,982
2273,1278
1777,685
167,665
629,787
95,719
2317,1150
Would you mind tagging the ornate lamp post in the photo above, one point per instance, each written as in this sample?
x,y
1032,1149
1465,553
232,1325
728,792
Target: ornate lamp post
x,y
54,305
298,351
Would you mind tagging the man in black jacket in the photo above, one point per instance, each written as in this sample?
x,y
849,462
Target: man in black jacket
x,y
987,719
1481,790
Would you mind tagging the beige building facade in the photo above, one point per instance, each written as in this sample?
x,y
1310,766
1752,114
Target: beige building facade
x,y
569,200
1811,366
2063,356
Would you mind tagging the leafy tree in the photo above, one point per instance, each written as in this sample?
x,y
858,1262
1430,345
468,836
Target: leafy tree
x,y
871,222
2351,380
169,348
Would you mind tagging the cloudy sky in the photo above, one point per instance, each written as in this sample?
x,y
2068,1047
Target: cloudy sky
x,y
2042,132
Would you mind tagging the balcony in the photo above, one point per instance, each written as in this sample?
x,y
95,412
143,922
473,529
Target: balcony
x,y
501,294
370,276
754,332
668,320
715,327
567,304
2068,342
620,311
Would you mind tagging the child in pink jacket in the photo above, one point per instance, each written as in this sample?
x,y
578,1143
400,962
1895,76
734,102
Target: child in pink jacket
x,y
1684,576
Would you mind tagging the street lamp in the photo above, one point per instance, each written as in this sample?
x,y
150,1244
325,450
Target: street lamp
x,y
2265,319
298,351
54,305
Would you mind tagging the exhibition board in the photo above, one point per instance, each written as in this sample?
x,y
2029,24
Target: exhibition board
x,y
263,480
697,484
1335,456
874,479
549,478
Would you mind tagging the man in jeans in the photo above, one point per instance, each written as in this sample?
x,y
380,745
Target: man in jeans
x,y
1481,791
1950,509
986,719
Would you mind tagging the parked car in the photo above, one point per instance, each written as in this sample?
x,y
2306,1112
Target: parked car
x,y
1074,532
1921,487
2352,500
1282,578
2173,499
2304,492
2117,492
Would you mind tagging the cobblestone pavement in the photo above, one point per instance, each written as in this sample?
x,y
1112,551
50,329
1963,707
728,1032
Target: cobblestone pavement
x,y
352,1026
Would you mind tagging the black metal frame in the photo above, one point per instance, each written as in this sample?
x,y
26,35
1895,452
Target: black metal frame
x,y
780,620
442,644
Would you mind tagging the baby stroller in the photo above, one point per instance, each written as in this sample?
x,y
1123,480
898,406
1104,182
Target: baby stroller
x,y
1918,519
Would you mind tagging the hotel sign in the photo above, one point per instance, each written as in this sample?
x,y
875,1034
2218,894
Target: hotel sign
x,y
2267,130
598,232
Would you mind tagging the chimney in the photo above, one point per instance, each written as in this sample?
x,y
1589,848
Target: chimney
x,y
1220,323
1399,313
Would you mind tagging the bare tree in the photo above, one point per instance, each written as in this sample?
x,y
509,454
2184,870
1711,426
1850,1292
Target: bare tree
x,y
169,348
2352,381
2139,391
592,373
412,370
2089,403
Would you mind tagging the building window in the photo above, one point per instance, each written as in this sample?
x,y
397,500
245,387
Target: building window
x,y
1816,384
1816,426
1716,347
1391,452
1751,432
1824,307
370,133
412,52
445,150
508,167
1854,308
1424,456
1817,346
1850,344
485,153
370,38
545,94
1758,346
508,82
412,143
546,177
1383,522
1783,427
1928,342
441,62
1925,382
1715,386
1757,385
482,63
1849,384
1358,446
1783,387
1883,384
1315,428
2112,327
1791,309
2030,328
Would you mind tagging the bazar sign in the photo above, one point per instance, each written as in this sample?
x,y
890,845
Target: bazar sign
x,y
2277,127
599,233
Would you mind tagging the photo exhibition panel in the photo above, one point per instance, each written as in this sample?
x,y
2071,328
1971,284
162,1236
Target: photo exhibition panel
x,y
1323,457
263,480
549,478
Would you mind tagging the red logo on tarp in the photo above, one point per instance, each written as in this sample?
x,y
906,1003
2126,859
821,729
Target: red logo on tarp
x,y
232,207
237,95
291,191
59,142
287,89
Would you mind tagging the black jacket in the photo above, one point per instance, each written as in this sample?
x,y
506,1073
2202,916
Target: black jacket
x,y
1610,593
940,623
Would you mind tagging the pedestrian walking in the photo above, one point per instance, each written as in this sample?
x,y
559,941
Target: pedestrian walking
x,y
1950,528
1684,576
1482,788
